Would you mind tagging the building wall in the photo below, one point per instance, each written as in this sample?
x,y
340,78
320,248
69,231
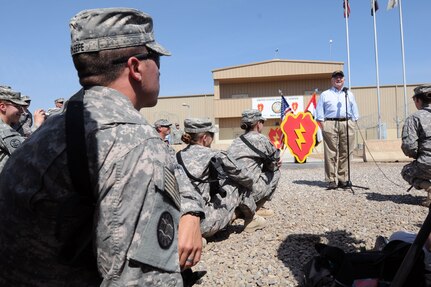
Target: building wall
x,y
176,109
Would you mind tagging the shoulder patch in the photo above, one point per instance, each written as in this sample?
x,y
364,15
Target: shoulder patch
x,y
165,230
15,143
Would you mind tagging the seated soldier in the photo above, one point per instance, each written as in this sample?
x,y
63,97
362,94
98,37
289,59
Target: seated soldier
x,y
416,142
205,167
257,154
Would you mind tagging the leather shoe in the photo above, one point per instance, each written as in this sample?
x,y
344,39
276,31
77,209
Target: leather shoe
x,y
343,184
332,185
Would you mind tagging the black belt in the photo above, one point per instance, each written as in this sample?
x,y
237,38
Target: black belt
x,y
337,119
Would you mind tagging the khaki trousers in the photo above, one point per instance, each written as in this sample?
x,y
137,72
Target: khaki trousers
x,y
335,148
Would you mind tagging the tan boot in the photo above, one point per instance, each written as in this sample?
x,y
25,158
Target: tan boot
x,y
257,223
265,212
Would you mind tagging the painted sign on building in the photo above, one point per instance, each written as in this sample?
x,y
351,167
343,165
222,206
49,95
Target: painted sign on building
x,y
271,107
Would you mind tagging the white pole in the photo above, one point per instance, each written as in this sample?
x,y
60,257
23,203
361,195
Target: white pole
x,y
404,62
347,42
377,73
330,50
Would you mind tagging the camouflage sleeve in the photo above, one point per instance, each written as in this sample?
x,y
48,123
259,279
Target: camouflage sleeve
x,y
235,170
273,153
410,137
191,199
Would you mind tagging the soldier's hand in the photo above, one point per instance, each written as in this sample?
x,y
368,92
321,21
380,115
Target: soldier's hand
x,y
189,241
39,117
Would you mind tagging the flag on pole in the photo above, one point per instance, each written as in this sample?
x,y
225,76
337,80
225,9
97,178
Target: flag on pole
x,y
346,11
376,6
392,4
285,108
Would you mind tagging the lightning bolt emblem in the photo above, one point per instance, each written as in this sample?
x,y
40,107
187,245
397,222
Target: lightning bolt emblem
x,y
276,140
299,134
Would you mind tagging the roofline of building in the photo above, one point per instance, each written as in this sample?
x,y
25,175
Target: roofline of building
x,y
277,60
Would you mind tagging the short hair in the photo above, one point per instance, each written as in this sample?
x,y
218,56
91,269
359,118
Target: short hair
x,y
96,68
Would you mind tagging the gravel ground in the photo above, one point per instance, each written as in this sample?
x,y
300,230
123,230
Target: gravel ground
x,y
307,213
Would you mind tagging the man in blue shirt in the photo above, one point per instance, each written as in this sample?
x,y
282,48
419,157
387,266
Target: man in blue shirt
x,y
331,113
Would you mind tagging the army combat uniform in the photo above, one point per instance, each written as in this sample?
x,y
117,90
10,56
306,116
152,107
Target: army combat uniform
x,y
416,143
10,140
218,209
137,211
266,174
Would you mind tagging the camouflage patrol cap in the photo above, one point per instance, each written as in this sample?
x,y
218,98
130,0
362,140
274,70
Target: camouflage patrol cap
x,y
251,116
162,123
26,99
112,28
7,94
423,90
199,125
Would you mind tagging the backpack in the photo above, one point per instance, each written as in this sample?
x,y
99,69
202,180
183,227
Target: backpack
x,y
334,267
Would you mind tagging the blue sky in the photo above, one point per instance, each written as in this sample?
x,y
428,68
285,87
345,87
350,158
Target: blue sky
x,y
204,35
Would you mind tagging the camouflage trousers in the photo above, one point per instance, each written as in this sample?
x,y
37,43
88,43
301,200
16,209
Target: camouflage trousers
x,y
417,174
265,186
263,190
137,274
219,211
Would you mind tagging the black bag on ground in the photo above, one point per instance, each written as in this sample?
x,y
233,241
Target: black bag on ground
x,y
334,267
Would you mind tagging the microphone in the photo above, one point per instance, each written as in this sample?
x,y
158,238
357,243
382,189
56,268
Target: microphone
x,y
345,89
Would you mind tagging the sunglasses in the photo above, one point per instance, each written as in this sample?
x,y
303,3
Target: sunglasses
x,y
150,55
15,105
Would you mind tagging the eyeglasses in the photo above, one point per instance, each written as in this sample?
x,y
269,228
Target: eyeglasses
x,y
150,55
15,105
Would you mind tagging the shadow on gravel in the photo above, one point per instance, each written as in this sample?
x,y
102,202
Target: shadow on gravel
x,y
311,183
400,199
226,232
298,249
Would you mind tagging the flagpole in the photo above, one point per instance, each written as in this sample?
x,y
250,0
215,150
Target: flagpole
x,y
377,73
346,13
404,62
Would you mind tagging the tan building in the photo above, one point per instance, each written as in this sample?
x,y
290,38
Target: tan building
x,y
239,87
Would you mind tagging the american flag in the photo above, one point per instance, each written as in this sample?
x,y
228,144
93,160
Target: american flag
x,y
346,11
285,108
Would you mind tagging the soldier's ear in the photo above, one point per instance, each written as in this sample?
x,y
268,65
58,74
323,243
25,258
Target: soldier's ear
x,y
135,68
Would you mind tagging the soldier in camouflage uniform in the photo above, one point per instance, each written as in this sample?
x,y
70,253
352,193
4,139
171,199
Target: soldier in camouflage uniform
x,y
25,126
57,109
264,164
416,142
197,159
11,108
141,236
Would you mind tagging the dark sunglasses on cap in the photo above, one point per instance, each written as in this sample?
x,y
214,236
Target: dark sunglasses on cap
x,y
150,55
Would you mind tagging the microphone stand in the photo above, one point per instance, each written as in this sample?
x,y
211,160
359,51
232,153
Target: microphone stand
x,y
349,182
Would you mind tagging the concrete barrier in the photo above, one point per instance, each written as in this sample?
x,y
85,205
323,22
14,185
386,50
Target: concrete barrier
x,y
384,150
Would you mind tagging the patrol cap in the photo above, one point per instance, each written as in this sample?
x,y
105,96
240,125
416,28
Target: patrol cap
x,y
26,99
7,94
199,125
423,90
162,123
112,28
337,73
59,100
251,116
